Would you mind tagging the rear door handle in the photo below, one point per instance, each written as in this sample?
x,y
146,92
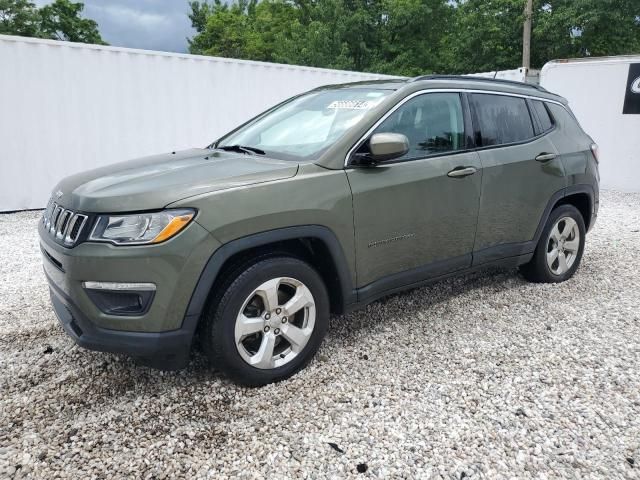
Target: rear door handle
x,y
545,157
461,172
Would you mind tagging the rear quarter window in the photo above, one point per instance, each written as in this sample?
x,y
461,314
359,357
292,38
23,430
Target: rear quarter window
x,y
500,119
566,121
545,120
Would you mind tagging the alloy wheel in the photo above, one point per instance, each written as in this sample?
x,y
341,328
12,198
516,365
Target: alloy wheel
x,y
275,323
563,245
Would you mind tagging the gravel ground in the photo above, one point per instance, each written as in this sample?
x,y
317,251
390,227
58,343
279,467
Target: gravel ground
x,y
484,376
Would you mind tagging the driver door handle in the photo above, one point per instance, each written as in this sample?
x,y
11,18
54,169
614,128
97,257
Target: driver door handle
x,y
545,157
459,172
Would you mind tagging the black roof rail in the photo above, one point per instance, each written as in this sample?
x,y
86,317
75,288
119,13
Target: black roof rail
x,y
479,79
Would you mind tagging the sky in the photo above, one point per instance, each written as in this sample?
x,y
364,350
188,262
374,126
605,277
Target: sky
x,y
148,24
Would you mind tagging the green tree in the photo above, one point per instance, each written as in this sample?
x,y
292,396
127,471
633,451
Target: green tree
x,y
413,34
488,33
60,20
412,37
246,29
580,28
338,34
486,36
18,17
347,34
200,12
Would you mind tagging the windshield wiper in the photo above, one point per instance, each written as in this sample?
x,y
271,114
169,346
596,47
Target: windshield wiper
x,y
241,149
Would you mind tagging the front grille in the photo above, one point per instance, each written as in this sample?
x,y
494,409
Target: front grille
x,y
64,225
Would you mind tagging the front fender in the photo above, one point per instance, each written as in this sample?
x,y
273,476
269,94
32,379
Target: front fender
x,y
214,265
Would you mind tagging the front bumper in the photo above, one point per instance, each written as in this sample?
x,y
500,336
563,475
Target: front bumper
x,y
162,336
164,350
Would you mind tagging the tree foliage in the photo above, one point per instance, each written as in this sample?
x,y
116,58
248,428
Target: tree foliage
x,y
579,28
409,37
18,17
60,20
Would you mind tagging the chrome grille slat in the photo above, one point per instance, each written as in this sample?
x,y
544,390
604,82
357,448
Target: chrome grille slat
x,y
64,225
72,221
59,220
54,218
70,238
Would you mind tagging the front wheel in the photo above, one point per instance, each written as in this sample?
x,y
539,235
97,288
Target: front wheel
x,y
559,250
268,322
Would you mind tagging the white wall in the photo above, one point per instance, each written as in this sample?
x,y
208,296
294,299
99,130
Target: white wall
x,y
67,107
516,75
595,89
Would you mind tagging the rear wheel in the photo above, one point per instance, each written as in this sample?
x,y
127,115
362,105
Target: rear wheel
x,y
559,250
268,321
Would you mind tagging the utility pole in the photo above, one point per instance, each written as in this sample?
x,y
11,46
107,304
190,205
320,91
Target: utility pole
x,y
526,35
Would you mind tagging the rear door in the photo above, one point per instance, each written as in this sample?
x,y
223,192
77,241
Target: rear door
x,y
413,217
521,173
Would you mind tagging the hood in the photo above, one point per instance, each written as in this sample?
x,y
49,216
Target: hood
x,y
153,182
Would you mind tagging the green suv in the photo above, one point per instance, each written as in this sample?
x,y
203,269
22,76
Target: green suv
x,y
324,203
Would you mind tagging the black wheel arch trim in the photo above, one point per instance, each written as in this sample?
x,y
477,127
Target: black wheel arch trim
x,y
590,191
226,251
582,188
559,195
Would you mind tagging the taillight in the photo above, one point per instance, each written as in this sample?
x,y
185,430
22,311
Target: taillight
x,y
595,151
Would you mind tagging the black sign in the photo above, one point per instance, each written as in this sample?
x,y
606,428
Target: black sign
x,y
632,95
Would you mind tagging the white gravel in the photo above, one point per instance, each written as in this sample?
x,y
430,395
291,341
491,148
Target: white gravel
x,y
484,376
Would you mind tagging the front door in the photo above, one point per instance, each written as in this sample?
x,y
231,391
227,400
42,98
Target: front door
x,y
415,217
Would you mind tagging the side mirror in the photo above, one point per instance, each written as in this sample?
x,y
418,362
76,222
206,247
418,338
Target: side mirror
x,y
384,147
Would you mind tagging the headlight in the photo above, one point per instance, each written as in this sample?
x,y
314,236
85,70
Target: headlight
x,y
140,228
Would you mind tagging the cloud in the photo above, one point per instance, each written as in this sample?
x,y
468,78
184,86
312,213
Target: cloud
x,y
148,24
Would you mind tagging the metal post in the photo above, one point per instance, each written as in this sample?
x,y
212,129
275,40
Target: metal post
x,y
526,35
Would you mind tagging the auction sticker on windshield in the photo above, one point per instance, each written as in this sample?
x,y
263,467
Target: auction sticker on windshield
x,y
352,104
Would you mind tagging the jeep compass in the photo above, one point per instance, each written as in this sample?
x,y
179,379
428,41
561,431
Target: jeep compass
x,y
324,203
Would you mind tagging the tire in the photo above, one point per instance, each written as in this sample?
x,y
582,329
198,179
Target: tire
x,y
239,346
559,250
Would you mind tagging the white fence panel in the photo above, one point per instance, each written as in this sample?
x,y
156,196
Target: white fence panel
x,y
596,90
517,75
67,107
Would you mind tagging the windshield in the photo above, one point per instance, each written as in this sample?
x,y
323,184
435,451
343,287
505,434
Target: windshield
x,y
305,126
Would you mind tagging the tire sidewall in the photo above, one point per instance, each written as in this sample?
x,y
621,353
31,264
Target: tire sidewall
x,y
223,330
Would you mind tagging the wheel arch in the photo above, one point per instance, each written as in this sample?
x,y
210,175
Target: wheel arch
x,y
582,199
580,196
315,244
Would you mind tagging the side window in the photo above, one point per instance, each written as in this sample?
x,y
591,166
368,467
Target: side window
x,y
546,123
433,123
501,119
